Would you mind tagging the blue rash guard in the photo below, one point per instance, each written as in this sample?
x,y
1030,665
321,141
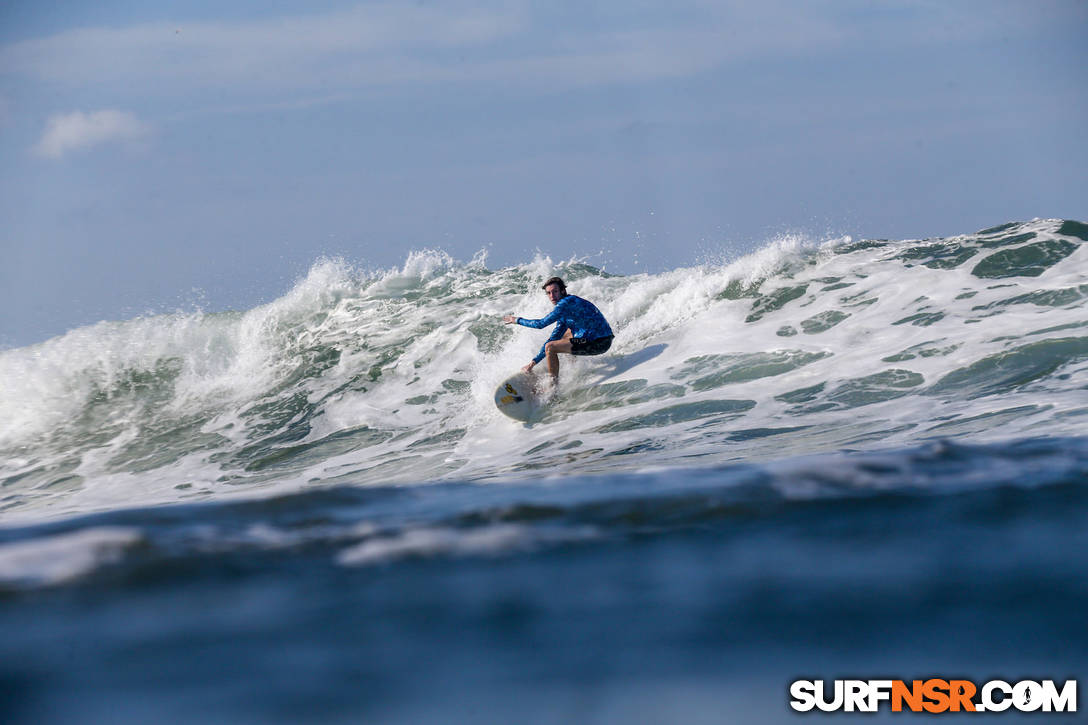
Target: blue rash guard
x,y
572,313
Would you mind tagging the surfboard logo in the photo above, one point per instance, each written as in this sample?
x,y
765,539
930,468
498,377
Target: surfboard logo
x,y
513,397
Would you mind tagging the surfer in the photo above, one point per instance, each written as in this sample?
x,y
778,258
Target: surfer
x,y
581,328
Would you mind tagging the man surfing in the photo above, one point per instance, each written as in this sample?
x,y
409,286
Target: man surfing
x,y
581,328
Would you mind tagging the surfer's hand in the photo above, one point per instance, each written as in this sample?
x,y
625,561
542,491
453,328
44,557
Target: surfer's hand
x,y
529,368
509,319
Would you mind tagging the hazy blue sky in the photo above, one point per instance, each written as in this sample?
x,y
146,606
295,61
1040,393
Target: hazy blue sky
x,y
156,155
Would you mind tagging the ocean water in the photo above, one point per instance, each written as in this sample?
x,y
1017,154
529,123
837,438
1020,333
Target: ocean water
x,y
838,459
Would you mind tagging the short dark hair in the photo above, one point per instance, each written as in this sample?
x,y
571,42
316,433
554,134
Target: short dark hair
x,y
556,280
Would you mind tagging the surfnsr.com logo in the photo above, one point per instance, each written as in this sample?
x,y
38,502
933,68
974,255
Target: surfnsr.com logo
x,y
933,696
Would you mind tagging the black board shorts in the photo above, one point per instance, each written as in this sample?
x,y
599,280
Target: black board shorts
x,y
582,346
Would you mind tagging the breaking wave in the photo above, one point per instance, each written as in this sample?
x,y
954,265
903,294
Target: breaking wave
x,y
376,378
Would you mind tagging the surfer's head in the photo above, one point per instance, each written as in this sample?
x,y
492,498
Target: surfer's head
x,y
555,288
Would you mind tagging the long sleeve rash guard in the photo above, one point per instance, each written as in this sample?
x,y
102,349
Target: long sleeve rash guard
x,y
572,313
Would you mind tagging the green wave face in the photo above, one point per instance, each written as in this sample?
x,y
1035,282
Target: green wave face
x,y
387,377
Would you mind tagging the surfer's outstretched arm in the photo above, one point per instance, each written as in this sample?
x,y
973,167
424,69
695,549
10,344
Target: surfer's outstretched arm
x,y
543,322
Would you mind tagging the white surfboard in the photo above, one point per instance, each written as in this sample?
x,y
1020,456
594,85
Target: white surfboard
x,y
515,397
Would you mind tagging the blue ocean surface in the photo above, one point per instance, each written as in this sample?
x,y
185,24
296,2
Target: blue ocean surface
x,y
851,459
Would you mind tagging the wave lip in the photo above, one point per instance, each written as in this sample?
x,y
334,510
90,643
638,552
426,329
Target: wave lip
x,y
62,558
491,540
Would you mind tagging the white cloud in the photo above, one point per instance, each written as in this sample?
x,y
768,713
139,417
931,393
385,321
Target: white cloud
x,y
264,53
530,44
66,132
386,45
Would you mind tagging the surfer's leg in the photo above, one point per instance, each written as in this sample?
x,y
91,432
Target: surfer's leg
x,y
552,350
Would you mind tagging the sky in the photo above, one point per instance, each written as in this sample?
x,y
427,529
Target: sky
x,y
157,156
